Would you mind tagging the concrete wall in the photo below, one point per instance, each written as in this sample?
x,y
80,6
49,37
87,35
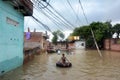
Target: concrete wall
x,y
112,44
107,44
11,37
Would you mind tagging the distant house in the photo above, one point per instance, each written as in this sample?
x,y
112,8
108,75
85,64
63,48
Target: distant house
x,y
34,43
75,44
12,14
39,38
80,44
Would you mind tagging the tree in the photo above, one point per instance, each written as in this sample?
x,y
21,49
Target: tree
x,y
55,38
108,32
100,30
116,28
83,32
60,34
56,35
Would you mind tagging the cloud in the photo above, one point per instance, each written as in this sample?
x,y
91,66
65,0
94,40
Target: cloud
x,y
95,10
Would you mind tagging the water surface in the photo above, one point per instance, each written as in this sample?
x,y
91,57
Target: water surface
x,y
86,65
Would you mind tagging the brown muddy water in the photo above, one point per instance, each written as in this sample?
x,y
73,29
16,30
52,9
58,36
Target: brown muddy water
x,y
86,65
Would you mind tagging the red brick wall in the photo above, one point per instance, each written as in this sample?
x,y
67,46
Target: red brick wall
x,y
107,44
35,37
113,46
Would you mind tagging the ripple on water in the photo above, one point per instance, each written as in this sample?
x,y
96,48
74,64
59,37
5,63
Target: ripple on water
x,y
86,65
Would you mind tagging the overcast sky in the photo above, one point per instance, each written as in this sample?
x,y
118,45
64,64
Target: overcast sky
x,y
95,10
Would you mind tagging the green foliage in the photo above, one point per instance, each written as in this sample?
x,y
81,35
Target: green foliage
x,y
116,28
100,30
56,35
90,43
54,39
60,34
83,32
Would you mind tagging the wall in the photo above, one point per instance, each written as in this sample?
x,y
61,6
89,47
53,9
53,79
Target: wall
x,y
113,44
11,37
107,44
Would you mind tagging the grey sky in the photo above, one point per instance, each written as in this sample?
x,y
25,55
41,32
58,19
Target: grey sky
x,y
95,10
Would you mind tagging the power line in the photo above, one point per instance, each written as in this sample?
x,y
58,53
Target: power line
x,y
56,17
38,3
73,10
48,17
46,27
60,19
90,29
38,24
72,26
83,11
54,21
53,15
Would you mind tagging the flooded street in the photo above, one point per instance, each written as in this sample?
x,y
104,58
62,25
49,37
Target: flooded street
x,y
86,65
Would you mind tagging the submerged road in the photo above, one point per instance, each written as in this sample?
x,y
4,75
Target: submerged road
x,y
87,65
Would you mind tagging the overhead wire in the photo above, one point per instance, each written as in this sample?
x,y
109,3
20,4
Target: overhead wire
x,y
54,17
54,21
39,24
38,3
78,19
63,21
50,18
71,25
47,16
90,29
45,26
83,11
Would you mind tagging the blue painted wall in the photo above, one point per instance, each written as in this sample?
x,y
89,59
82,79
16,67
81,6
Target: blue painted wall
x,y
11,38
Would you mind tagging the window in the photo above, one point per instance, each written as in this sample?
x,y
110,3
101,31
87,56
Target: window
x,y
11,21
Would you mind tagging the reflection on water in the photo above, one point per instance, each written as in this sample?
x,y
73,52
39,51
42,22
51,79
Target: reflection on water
x,y
87,65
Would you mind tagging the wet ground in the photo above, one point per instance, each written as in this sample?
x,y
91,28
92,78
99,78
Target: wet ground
x,y
86,65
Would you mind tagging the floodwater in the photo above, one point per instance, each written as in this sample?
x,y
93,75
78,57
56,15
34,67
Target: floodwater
x,y
86,65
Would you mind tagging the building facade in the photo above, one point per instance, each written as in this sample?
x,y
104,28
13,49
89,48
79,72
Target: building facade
x,y
39,38
11,32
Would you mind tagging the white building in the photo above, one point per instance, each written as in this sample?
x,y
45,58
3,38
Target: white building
x,y
79,44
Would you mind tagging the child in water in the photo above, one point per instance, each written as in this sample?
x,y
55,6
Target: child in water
x,y
64,59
